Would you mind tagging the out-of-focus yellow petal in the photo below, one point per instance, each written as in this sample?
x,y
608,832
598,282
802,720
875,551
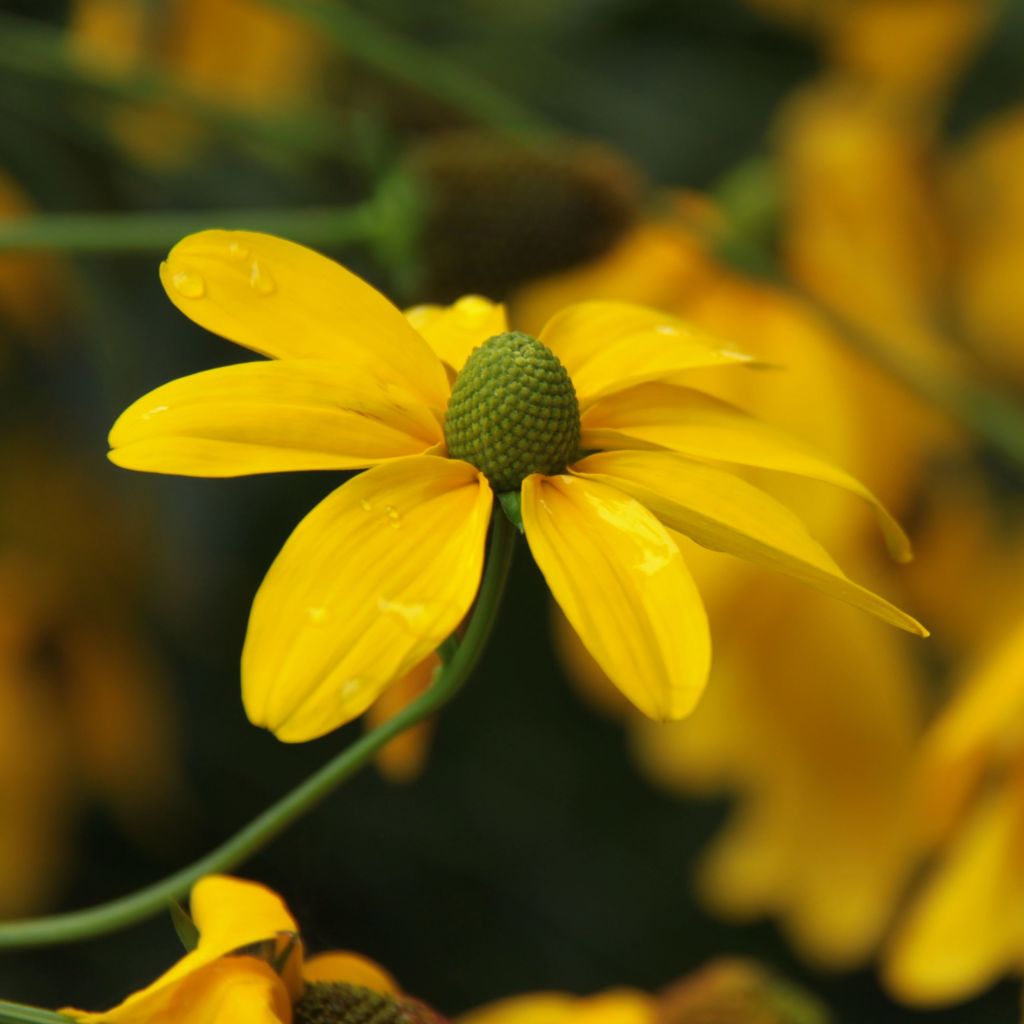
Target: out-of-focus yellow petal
x,y
724,513
237,990
272,416
401,759
351,968
703,427
230,915
454,331
967,924
535,1008
370,582
622,583
284,300
971,730
617,1006
607,346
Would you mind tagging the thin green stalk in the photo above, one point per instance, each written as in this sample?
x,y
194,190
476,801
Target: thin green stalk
x,y
154,899
15,1013
157,232
423,69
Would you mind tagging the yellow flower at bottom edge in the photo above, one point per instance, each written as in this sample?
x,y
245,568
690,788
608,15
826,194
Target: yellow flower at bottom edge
x,y
592,426
248,966
963,927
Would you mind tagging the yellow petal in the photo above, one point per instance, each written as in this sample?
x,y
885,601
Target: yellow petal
x,y
230,915
238,990
272,416
351,968
535,1008
695,424
607,346
623,586
454,331
724,513
979,721
616,1006
402,759
370,582
964,928
284,300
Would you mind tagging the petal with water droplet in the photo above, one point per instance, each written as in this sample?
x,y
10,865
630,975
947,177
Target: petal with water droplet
x,y
622,583
393,595
284,300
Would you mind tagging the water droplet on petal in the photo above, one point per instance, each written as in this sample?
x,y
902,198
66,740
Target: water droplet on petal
x,y
365,505
317,615
156,410
237,251
349,687
666,329
189,284
260,279
394,515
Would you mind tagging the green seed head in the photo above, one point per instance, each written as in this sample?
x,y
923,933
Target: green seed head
x,y
513,411
331,1002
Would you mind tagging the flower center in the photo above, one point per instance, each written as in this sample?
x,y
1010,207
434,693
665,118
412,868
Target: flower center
x,y
513,411
335,1002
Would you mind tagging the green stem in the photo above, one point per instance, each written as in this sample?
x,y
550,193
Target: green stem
x,y
422,69
157,232
16,1013
119,913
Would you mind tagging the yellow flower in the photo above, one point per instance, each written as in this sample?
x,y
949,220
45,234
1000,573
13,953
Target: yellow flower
x,y
379,574
249,966
273,62
965,926
85,718
816,749
725,991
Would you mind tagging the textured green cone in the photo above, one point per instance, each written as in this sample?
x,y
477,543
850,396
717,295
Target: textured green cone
x,y
513,411
331,1002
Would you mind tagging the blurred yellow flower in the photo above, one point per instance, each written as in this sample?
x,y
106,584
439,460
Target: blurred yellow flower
x,y
965,925
85,717
273,61
725,991
249,965
391,561
812,712
913,48
985,197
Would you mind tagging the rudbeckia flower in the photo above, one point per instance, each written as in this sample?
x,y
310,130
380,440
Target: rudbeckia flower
x,y
590,432
248,965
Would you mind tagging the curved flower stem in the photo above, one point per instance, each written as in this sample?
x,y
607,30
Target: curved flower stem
x,y
119,913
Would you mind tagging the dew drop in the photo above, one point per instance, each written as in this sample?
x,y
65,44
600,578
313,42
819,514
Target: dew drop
x,y
260,280
365,505
349,687
155,411
317,615
394,515
189,284
237,251
666,329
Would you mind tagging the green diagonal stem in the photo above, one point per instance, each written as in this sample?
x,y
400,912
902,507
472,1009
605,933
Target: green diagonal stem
x,y
154,899
419,67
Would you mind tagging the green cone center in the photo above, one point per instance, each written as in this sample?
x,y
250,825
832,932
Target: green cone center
x,y
513,411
